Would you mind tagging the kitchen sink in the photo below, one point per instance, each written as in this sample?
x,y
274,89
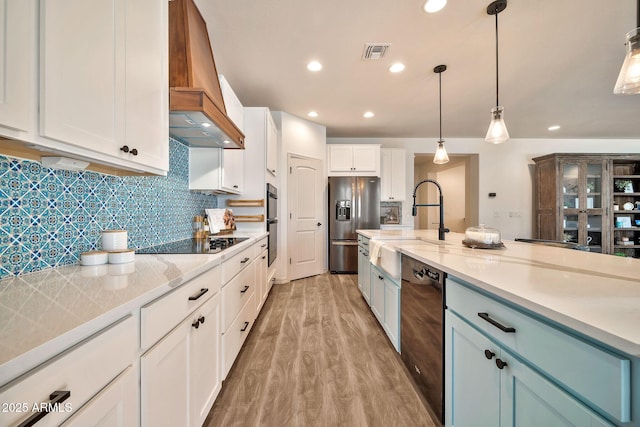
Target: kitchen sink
x,y
389,258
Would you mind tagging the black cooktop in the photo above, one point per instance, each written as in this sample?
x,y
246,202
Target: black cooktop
x,y
193,246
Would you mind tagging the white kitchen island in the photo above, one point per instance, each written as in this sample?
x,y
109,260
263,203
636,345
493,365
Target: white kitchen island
x,y
577,349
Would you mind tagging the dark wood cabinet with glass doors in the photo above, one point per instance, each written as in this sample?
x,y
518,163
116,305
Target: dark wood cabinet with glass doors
x,y
571,200
589,199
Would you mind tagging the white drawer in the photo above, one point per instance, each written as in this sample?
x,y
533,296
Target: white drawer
x,y
236,293
83,371
261,245
589,372
237,333
163,314
236,263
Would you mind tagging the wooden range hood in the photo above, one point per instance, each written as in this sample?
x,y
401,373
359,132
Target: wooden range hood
x,y
195,96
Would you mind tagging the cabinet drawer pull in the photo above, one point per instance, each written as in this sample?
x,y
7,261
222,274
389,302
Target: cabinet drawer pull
x,y
263,246
199,294
264,256
246,325
489,354
244,261
485,316
500,363
245,289
56,398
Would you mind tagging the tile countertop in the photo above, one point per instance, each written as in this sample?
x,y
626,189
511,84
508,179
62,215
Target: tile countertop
x,y
44,313
593,294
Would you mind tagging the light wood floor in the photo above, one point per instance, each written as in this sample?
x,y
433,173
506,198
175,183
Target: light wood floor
x,y
317,357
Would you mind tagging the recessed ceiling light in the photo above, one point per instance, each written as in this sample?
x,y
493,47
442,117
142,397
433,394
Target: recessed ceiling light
x,y
312,114
433,6
554,127
314,66
396,67
206,125
368,115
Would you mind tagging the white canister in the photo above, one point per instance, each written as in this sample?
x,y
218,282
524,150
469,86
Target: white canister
x,y
114,240
122,257
94,258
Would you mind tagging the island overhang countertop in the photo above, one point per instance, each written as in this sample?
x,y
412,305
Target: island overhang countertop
x,y
594,295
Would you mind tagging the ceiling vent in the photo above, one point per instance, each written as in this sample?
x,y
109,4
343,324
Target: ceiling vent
x,y
375,50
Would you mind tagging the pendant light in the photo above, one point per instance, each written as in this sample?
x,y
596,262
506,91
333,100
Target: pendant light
x,y
629,78
497,132
441,156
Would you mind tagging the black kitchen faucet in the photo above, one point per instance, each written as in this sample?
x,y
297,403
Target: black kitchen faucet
x,y
414,208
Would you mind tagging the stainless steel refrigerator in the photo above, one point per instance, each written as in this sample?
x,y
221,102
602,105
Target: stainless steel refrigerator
x,y
354,204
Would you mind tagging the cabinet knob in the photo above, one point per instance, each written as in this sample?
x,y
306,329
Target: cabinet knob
x,y
201,319
235,186
273,170
124,148
196,324
500,363
380,277
134,151
489,354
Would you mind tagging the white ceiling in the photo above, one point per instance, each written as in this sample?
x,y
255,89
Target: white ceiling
x,y
559,60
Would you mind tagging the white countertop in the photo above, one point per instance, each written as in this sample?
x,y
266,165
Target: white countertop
x,y
596,295
44,313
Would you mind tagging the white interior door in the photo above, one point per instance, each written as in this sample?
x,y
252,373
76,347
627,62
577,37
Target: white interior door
x,y
306,229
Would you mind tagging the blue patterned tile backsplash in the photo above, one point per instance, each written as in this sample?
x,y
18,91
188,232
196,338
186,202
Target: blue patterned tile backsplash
x,y
49,216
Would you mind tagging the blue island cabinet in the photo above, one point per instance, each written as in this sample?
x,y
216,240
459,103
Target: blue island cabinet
x,y
506,367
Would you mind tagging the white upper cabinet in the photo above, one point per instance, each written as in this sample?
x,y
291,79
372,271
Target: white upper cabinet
x,y
17,65
353,160
231,103
215,171
393,179
100,92
104,78
272,145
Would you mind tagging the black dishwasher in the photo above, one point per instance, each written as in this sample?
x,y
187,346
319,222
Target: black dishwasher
x,y
422,330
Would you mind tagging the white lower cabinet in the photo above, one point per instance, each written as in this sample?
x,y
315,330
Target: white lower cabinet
x,y
504,367
180,376
385,304
364,268
377,294
262,281
115,406
73,383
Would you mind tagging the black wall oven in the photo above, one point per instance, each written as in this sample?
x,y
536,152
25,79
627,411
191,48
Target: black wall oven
x,y
272,222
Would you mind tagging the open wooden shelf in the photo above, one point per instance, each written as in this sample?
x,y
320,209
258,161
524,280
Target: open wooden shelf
x,y
245,203
249,218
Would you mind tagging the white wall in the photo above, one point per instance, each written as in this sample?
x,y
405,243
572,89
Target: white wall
x,y
304,138
505,169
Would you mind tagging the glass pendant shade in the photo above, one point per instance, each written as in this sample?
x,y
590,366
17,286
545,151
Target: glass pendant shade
x,y
497,132
441,157
629,78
